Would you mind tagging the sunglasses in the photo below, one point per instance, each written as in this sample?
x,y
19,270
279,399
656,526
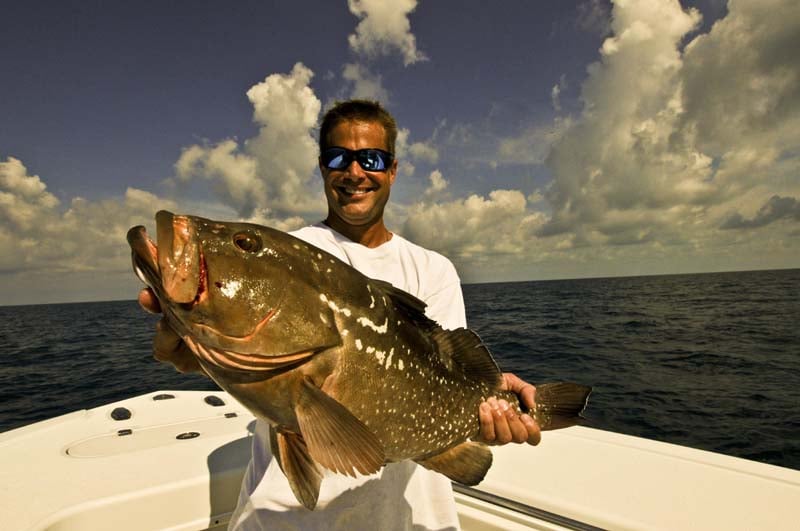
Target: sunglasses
x,y
337,158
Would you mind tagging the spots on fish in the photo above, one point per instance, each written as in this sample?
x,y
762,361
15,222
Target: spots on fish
x,y
400,364
345,332
333,306
367,323
389,359
372,304
230,288
268,251
295,247
359,345
319,256
324,319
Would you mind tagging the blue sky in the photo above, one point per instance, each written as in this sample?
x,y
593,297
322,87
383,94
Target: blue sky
x,y
539,139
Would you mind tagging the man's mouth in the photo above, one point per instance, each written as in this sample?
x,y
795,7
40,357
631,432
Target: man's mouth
x,y
355,190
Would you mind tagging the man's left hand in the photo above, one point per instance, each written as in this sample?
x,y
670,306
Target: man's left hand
x,y
500,423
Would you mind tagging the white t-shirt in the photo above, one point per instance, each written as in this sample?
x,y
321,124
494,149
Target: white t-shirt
x,y
401,496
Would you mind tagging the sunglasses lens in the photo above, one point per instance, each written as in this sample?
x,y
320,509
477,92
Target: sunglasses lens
x,y
371,160
336,158
368,159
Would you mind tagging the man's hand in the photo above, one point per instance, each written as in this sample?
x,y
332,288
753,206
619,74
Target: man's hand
x,y
167,345
500,423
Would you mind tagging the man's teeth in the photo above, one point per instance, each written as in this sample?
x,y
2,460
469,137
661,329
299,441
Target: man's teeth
x,y
355,191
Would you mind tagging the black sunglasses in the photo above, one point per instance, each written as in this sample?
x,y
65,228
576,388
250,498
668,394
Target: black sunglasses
x,y
337,158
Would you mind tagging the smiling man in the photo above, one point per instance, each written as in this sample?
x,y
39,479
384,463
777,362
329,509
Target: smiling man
x,y
358,167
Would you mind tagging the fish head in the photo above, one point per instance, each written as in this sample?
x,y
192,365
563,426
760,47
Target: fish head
x,y
236,292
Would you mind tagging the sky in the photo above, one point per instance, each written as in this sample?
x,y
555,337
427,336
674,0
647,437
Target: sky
x,y
538,140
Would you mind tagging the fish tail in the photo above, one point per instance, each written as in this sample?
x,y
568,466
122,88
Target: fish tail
x,y
559,405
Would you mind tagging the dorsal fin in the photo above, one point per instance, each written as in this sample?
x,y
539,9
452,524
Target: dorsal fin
x,y
410,306
465,348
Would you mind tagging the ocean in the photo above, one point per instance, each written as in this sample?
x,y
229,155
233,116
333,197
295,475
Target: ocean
x,y
710,361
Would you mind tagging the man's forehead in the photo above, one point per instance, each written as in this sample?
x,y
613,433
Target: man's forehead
x,y
360,129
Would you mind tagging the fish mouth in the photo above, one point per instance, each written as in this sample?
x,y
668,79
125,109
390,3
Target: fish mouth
x,y
174,268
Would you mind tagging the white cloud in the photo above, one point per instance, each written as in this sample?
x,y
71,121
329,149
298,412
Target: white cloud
x,y
364,84
670,140
438,183
384,28
274,171
471,229
36,235
24,199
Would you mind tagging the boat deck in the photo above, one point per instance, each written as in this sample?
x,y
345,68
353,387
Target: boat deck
x,y
174,460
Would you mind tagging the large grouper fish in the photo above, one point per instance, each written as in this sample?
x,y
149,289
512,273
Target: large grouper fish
x,y
348,371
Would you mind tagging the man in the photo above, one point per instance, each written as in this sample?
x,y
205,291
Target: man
x,y
357,163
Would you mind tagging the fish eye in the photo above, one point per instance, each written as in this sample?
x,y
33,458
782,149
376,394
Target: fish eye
x,y
247,242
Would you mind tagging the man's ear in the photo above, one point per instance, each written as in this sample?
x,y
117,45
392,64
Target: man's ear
x,y
393,172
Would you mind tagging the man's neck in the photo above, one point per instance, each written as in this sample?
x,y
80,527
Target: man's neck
x,y
372,235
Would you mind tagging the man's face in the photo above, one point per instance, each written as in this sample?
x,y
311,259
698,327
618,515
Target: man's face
x,y
355,196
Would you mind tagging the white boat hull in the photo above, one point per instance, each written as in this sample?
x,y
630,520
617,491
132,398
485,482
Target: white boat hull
x,y
177,464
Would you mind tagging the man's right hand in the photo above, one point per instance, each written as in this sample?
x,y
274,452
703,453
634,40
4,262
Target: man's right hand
x,y
167,345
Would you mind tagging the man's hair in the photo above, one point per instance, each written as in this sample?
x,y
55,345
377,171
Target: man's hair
x,y
358,111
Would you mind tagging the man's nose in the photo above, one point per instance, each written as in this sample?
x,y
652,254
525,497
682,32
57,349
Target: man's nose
x,y
355,169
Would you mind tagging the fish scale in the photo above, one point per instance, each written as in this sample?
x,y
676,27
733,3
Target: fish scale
x,y
348,371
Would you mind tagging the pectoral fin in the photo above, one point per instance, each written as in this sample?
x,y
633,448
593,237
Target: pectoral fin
x,y
466,463
336,439
303,474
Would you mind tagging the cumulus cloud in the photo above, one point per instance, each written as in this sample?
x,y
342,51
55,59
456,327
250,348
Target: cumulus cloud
x,y
438,183
775,209
23,198
670,136
36,234
409,152
474,228
364,84
271,173
384,28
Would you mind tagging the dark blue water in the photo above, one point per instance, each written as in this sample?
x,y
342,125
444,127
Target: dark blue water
x,y
709,361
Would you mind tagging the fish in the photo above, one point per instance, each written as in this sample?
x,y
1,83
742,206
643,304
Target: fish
x,y
348,371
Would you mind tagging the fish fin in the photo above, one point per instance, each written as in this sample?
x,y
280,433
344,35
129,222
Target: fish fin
x,y
467,350
559,405
302,472
407,304
336,439
466,463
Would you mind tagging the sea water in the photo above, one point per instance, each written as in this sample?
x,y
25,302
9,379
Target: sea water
x,y
710,361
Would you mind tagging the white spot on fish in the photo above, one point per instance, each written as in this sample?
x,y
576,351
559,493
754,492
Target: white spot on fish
x,y
389,359
363,321
345,332
230,288
380,356
400,364
319,256
332,305
359,346
372,303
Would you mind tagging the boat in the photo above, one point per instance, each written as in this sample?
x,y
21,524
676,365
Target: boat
x,y
175,459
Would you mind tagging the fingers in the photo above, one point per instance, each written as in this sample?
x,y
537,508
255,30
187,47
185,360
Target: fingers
x,y
169,347
147,300
501,424
525,391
